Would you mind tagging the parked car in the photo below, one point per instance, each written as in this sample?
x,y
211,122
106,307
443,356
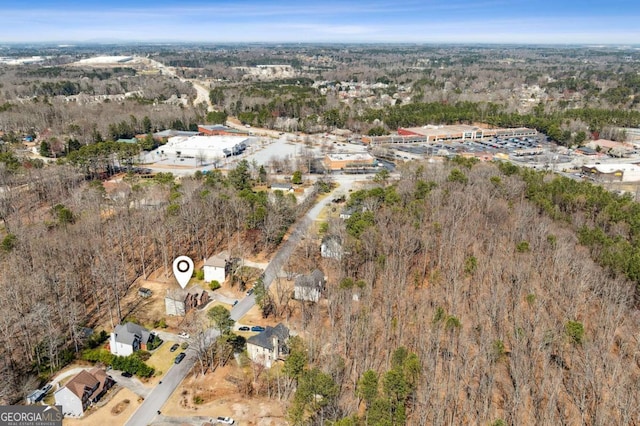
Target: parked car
x,y
180,357
46,388
174,347
249,292
257,328
226,420
126,374
184,335
244,328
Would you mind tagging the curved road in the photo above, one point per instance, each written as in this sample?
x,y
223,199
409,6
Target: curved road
x,y
149,409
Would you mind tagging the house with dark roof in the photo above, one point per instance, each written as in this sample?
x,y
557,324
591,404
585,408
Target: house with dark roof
x,y
179,301
86,388
309,287
269,346
128,338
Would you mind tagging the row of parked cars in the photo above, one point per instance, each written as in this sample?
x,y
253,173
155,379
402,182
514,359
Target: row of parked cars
x,y
257,328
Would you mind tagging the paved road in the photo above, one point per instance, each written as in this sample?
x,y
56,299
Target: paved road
x,y
148,411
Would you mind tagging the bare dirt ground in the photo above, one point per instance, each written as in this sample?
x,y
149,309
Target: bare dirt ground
x,y
220,397
116,410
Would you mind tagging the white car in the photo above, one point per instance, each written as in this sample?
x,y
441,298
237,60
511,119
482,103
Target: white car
x,y
225,420
183,335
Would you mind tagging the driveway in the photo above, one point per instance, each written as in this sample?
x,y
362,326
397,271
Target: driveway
x,y
131,383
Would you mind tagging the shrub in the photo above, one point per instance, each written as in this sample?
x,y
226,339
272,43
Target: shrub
x,y
200,274
214,285
154,343
575,331
197,399
161,323
522,247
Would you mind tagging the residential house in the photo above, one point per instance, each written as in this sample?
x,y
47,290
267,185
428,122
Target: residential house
x,y
216,267
347,212
179,302
309,287
269,346
331,247
284,187
86,388
128,338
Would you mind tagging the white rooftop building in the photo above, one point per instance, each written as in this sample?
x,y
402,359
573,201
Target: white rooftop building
x,y
208,146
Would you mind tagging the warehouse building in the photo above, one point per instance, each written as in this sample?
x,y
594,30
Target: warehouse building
x,y
620,172
207,146
349,162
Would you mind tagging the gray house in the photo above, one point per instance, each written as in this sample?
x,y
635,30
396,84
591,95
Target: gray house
x,y
128,338
309,287
269,346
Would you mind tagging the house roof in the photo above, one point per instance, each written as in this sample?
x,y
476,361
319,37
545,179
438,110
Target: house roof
x,y
265,339
218,261
180,294
281,186
127,333
87,381
313,280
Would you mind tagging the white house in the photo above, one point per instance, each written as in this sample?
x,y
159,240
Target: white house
x,y
128,338
215,267
86,388
309,287
269,346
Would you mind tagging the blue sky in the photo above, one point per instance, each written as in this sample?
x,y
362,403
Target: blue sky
x,y
428,21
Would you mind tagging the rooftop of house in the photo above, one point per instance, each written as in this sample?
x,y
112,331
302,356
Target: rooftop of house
x,y
314,280
265,339
126,333
281,186
86,381
219,260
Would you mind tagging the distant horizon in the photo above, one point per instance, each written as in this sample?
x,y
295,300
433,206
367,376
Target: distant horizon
x,y
518,22
76,43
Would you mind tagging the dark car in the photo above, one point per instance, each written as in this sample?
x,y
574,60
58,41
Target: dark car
x,y
250,292
180,357
235,303
174,347
244,328
126,374
257,328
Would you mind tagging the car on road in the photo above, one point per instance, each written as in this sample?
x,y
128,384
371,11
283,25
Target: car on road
x,y
184,335
174,347
225,420
244,328
235,302
126,374
249,292
257,328
180,357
